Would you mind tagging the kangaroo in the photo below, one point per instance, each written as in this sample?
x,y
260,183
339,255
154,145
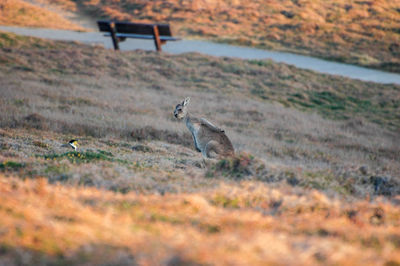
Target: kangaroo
x,y
208,139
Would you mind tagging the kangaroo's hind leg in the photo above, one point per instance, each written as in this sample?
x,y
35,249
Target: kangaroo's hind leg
x,y
210,153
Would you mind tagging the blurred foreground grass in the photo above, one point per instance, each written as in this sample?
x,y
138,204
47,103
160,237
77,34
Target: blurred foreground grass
x,y
243,223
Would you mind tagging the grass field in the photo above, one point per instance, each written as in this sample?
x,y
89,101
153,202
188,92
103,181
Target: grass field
x,y
26,14
315,179
358,32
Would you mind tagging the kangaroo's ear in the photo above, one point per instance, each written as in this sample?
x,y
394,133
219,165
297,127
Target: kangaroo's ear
x,y
186,101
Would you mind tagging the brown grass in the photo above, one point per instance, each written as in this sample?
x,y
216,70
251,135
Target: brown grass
x,y
21,13
246,223
359,32
131,96
315,179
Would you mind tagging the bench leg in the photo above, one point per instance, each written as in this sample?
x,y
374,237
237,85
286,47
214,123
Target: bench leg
x,y
156,36
114,37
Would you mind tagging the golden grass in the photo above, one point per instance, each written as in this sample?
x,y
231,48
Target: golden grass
x,y
265,226
359,32
308,189
21,13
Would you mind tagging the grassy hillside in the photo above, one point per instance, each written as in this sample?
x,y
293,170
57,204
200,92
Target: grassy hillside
x,y
25,14
316,171
359,32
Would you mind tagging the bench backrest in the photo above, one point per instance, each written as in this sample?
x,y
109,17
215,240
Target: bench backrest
x,y
145,29
134,28
104,25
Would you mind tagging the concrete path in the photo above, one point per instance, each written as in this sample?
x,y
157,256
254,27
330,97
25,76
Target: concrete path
x,y
215,49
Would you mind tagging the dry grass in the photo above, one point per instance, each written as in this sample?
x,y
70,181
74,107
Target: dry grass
x,y
23,13
134,101
241,224
319,182
359,32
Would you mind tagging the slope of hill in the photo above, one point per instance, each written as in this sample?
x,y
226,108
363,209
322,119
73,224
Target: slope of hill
x,y
315,180
25,14
358,32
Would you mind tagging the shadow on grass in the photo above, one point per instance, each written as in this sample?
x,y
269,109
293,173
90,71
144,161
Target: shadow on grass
x,y
244,166
89,254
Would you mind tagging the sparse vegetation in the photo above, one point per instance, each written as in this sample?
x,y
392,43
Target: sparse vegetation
x,y
27,14
331,96
10,165
358,32
316,172
239,167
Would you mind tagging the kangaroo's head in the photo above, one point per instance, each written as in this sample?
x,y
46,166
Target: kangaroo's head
x,y
181,109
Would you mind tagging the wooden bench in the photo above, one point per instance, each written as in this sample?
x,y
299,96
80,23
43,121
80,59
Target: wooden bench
x,y
119,31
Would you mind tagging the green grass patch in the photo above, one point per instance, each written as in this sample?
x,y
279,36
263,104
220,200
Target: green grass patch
x,y
106,153
226,202
7,40
260,92
322,180
335,106
327,100
11,165
84,157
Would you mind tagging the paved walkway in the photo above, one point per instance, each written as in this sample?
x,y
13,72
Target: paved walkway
x,y
215,49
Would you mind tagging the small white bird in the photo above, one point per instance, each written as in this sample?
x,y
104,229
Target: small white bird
x,y
73,143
